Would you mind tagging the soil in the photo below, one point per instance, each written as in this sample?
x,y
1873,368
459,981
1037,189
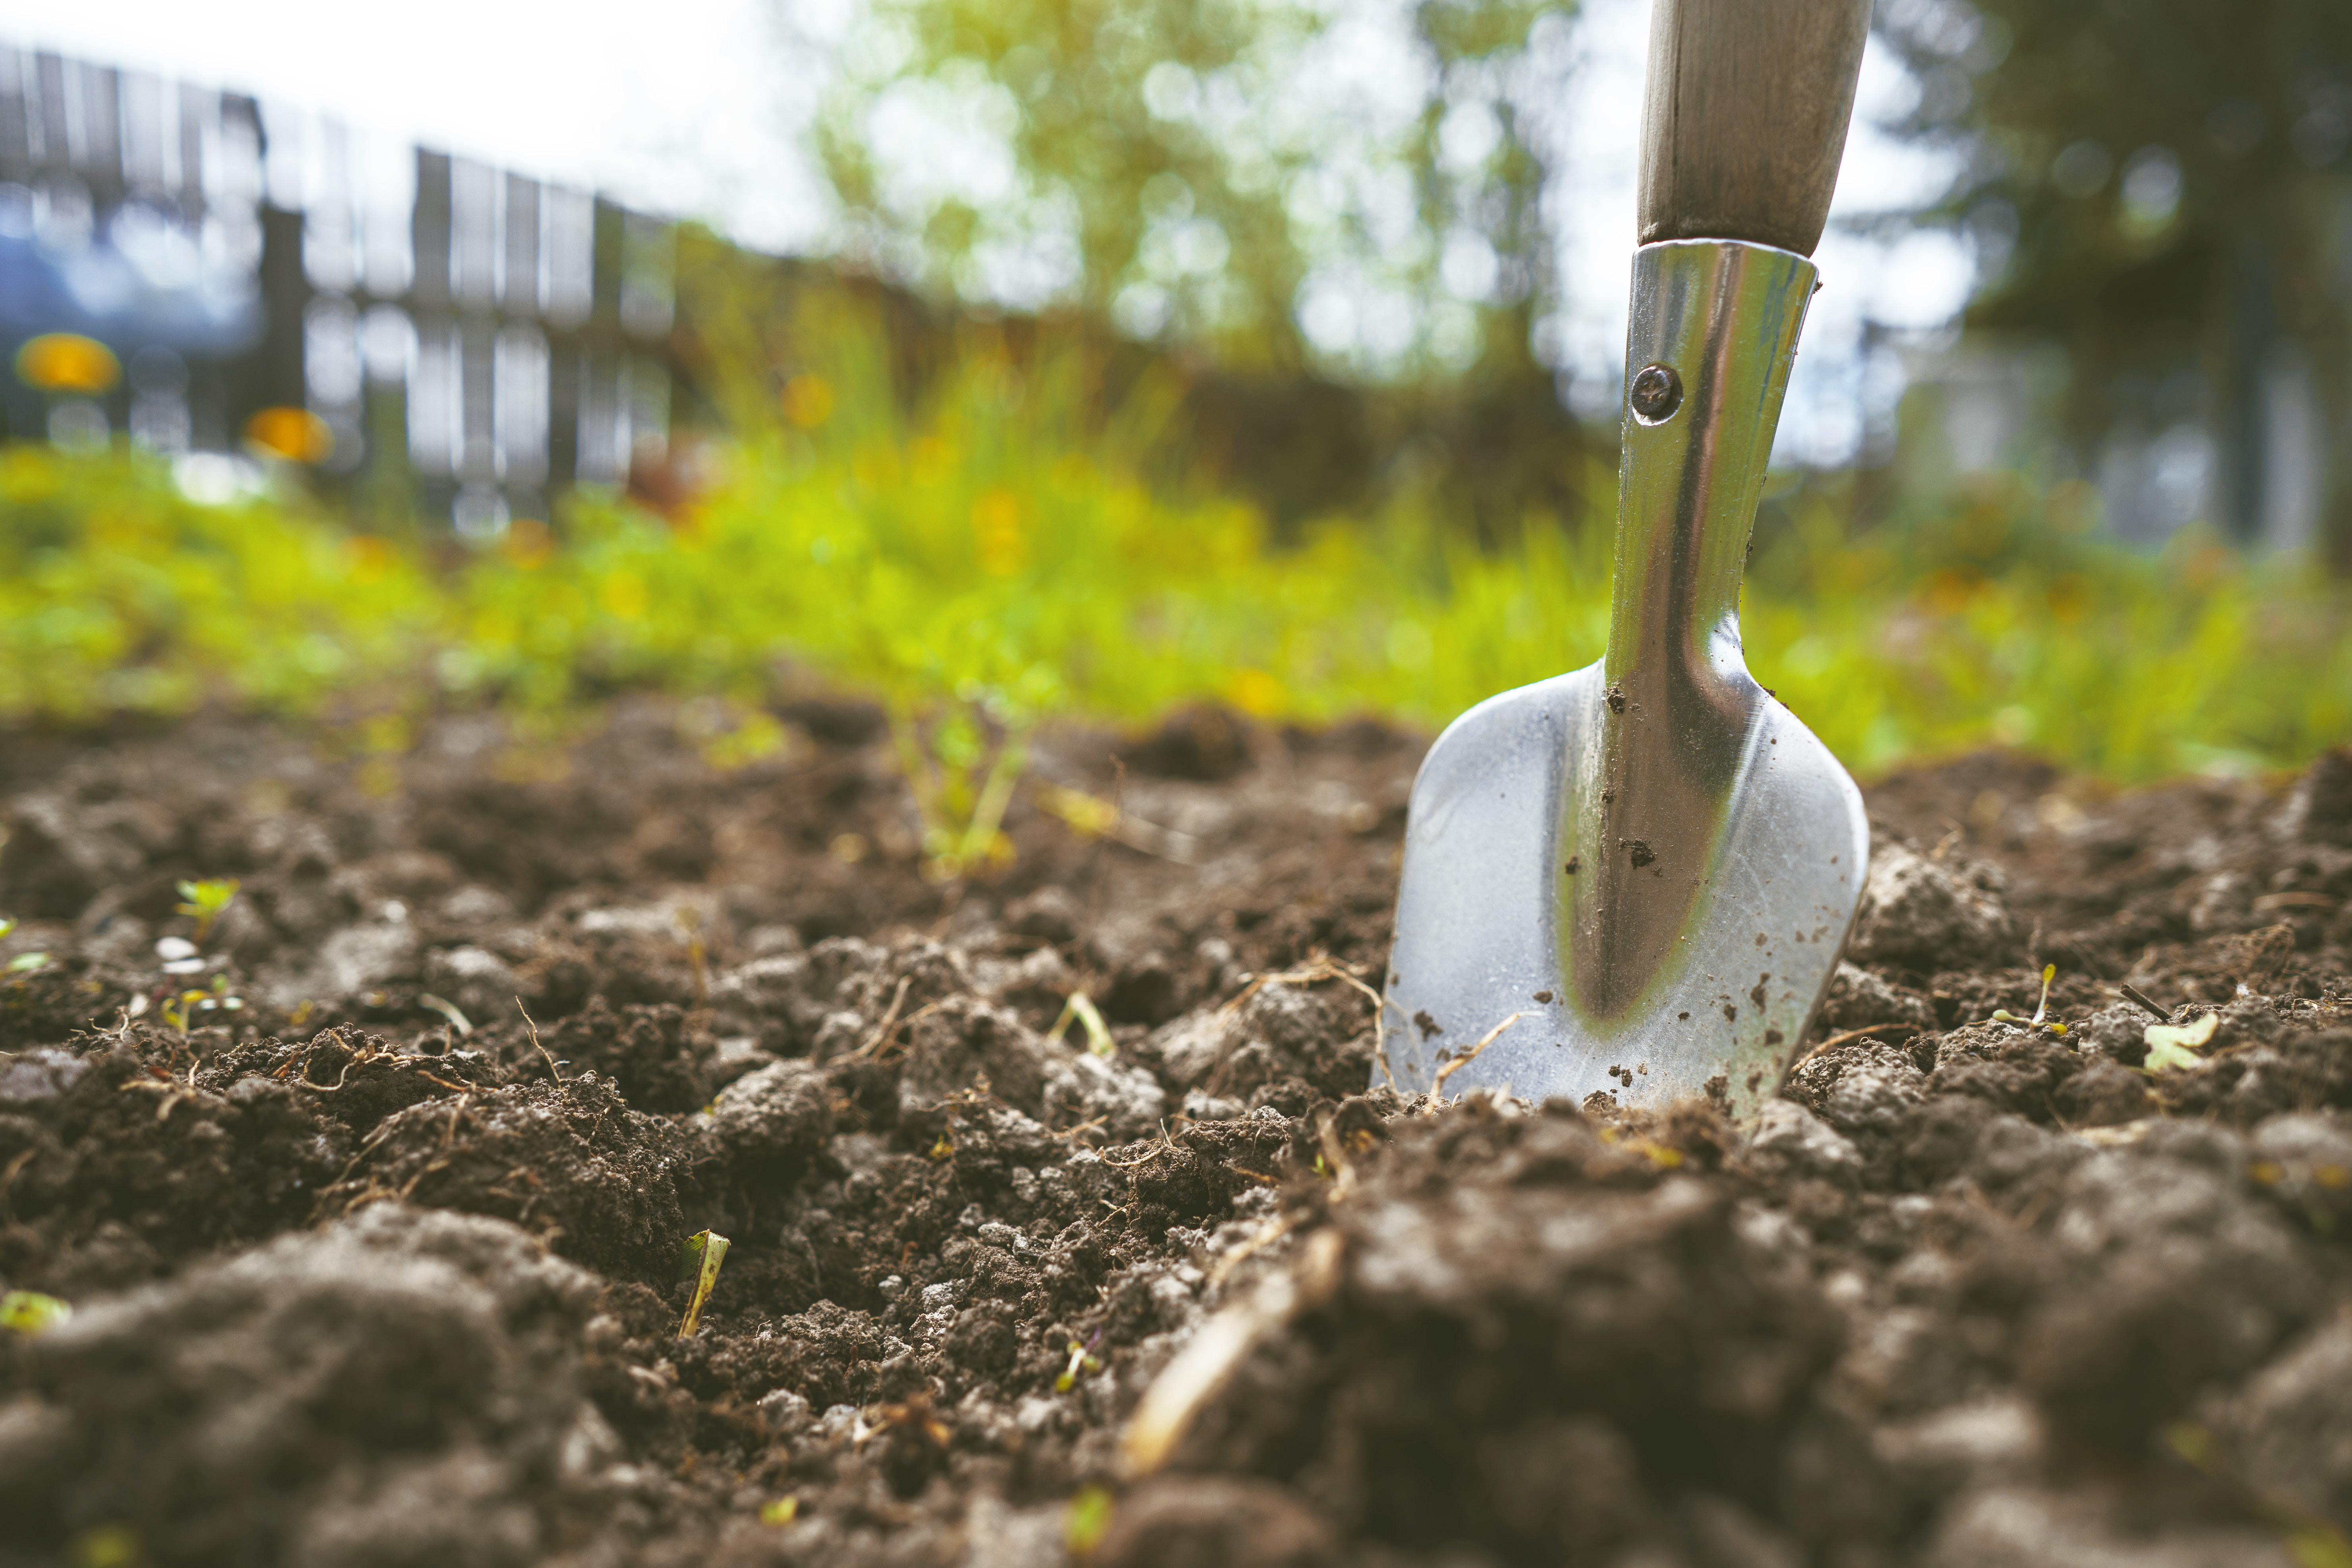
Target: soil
x,y
381,1265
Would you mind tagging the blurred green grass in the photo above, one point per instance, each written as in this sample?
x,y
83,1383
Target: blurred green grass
x,y
1005,549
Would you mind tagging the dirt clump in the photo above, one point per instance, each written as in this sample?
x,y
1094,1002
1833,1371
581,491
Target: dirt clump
x,y
401,1387
568,1162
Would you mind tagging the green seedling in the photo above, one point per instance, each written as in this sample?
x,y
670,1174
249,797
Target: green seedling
x,y
2041,1019
179,1012
2172,1046
1082,1361
1088,1520
1081,1009
962,771
449,1010
29,1313
203,901
24,963
698,1260
780,1510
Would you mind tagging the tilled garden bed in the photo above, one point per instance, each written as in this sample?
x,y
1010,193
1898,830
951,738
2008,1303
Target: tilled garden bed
x,y
369,1206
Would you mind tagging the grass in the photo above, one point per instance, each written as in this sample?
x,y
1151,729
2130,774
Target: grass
x,y
997,552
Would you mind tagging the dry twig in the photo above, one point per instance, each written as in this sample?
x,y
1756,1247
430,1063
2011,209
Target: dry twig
x,y
1840,1039
873,1042
1438,1085
554,1071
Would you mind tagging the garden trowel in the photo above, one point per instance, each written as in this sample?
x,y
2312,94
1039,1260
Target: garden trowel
x,y
1634,879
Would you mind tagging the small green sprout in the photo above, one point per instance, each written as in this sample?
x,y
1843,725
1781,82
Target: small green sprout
x,y
109,1546
203,901
2041,1009
780,1510
1088,1520
6,925
1082,1361
1081,1008
25,962
177,1012
29,1313
698,1260
2171,1046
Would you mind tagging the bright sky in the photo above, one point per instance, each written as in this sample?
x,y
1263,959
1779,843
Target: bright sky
x,y
699,113
691,113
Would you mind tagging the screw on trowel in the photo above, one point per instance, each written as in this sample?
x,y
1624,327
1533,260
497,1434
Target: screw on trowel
x,y
1649,860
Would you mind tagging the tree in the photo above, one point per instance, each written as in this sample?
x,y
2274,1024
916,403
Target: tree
x,y
2160,185
1277,184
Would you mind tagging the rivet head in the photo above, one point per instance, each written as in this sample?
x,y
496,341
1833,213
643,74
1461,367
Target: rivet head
x,y
1656,394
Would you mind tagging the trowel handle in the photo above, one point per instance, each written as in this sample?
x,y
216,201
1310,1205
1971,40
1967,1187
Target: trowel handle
x,y
1745,115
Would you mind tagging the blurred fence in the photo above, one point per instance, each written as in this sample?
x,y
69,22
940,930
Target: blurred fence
x,y
467,340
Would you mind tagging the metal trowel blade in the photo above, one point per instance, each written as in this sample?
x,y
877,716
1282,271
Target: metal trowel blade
x,y
1480,945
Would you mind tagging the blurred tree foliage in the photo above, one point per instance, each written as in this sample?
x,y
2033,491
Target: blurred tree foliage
x,y
1332,220
2163,187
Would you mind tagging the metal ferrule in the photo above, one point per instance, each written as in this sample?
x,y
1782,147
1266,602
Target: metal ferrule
x,y
1713,335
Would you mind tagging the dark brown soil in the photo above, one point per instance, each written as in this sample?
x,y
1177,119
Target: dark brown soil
x,y
381,1266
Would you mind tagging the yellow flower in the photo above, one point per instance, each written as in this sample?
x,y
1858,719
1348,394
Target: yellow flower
x,y
296,435
808,401
66,362
997,531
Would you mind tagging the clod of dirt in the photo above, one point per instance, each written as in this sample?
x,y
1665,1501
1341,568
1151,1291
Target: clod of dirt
x,y
115,1168
2320,805
1286,1044
2028,1527
55,1000
438,1415
1049,914
1215,1522
1200,742
61,851
1788,1141
2303,1162
650,1053
967,1041
2167,1276
1921,912
1633,1307
1858,999
773,1122
570,1162
2290,1429
1863,1089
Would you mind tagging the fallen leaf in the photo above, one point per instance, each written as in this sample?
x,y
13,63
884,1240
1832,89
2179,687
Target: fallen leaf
x,y
2174,1046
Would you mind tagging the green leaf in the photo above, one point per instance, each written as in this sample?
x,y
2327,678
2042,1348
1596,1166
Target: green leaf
x,y
1088,1520
29,1312
2174,1046
25,962
1080,1008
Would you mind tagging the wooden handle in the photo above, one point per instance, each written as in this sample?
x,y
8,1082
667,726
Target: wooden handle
x,y
1744,118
